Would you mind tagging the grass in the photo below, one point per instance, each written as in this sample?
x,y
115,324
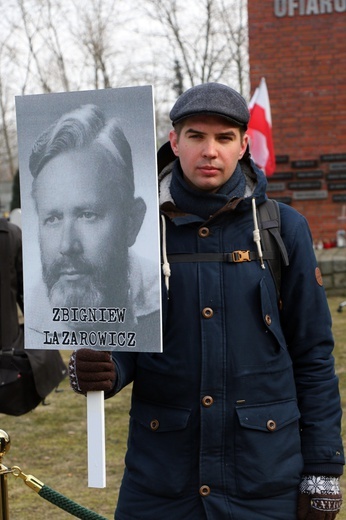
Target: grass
x,y
339,330
51,444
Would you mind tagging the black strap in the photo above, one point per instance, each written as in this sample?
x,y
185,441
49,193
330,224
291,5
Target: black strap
x,y
232,257
270,225
270,220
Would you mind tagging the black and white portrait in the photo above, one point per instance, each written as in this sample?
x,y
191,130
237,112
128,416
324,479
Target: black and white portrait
x,y
87,163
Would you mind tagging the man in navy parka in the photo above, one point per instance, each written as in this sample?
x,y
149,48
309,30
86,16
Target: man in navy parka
x,y
239,417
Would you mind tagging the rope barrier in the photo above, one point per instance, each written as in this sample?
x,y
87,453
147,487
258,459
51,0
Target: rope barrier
x,y
39,487
56,498
68,505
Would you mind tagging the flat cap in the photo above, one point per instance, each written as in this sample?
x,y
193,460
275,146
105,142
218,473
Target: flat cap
x,y
212,99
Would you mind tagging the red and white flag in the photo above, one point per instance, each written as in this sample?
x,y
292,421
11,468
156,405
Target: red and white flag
x,y
260,130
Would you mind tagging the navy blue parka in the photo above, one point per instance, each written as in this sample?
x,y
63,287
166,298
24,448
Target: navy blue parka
x,y
244,397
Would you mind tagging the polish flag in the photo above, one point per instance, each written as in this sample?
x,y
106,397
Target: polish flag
x,y
260,130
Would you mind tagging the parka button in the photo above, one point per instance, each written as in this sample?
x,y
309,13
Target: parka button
x,y
271,425
207,313
204,232
207,401
268,319
154,424
204,491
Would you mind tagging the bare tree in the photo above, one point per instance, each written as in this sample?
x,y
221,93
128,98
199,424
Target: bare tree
x,y
71,44
51,45
53,42
31,57
98,21
236,35
63,45
7,153
30,33
7,130
207,40
40,21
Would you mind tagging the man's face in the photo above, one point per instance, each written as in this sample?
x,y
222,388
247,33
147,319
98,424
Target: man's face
x,y
209,148
83,231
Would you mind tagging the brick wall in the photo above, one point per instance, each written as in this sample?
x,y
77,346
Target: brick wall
x,y
299,46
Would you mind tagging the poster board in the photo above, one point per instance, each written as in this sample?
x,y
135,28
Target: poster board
x,y
90,248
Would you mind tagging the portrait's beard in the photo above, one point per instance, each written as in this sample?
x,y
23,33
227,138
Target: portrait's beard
x,y
97,286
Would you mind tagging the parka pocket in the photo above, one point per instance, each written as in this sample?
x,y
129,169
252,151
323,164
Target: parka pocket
x,y
268,451
159,438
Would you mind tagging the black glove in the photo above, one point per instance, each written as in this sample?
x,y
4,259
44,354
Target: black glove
x,y
319,498
91,370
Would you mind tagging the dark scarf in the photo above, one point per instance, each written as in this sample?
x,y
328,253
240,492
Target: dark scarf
x,y
205,204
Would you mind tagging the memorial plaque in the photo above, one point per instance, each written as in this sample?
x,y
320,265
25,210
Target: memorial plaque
x,y
339,197
276,186
333,186
337,166
281,176
336,176
331,157
317,174
281,159
310,195
307,163
284,200
313,185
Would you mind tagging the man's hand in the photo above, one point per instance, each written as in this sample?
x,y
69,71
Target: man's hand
x,y
91,370
319,498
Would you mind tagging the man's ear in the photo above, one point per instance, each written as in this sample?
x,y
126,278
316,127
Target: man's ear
x,y
244,146
135,221
173,137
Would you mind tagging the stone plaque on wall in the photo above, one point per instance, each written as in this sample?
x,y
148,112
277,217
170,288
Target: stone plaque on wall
x,y
276,186
310,195
333,186
313,185
307,163
330,157
336,176
281,176
337,166
339,197
316,174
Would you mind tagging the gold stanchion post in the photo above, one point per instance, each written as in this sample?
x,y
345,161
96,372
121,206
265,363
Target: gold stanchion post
x,y
4,447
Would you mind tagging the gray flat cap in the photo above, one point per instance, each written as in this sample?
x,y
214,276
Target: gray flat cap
x,y
213,99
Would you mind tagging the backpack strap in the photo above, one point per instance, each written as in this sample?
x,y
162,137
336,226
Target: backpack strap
x,y
234,257
270,227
